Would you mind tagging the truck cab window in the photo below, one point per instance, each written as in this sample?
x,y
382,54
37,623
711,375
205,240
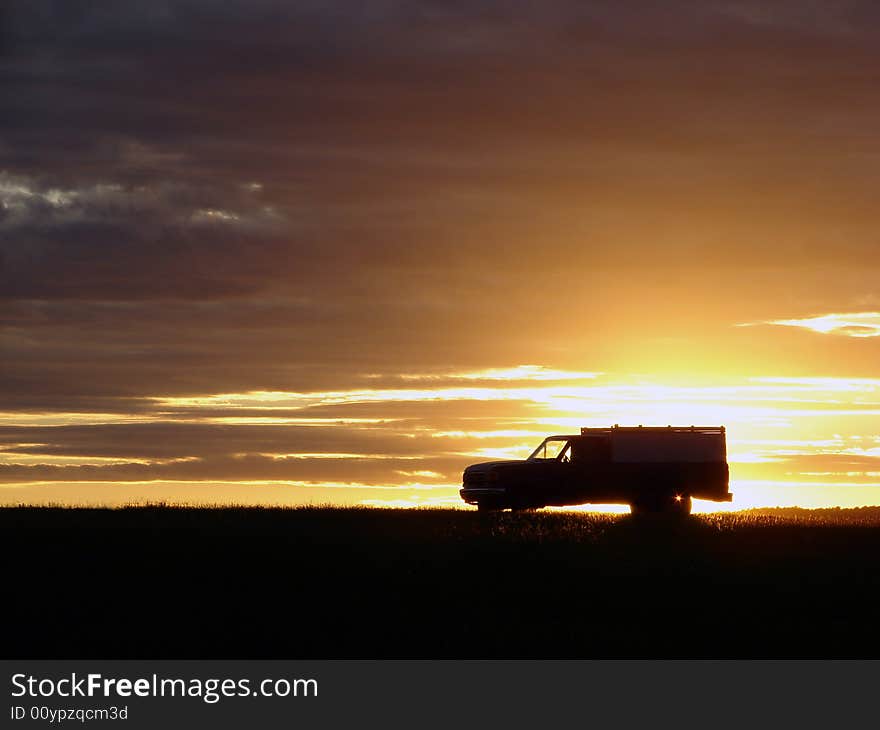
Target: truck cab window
x,y
552,449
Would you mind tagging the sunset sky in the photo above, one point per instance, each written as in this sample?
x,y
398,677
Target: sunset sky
x,y
312,252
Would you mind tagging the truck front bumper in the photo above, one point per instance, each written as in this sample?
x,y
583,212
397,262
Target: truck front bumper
x,y
472,495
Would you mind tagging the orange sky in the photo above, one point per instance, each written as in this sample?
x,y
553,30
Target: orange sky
x,y
337,253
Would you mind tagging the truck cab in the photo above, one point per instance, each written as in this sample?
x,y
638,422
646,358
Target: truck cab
x,y
652,469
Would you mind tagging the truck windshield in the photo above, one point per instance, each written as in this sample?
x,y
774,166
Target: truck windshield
x,y
552,448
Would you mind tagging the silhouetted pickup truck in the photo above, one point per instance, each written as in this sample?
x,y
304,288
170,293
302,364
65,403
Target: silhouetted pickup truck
x,y
652,469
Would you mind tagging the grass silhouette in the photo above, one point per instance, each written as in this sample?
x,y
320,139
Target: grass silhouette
x,y
320,582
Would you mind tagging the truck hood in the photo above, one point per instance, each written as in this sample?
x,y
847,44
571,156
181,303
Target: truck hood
x,y
487,465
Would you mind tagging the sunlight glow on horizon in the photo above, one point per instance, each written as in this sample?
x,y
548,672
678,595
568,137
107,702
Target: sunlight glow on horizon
x,y
787,436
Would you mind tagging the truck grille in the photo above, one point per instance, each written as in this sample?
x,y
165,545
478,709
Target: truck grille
x,y
475,480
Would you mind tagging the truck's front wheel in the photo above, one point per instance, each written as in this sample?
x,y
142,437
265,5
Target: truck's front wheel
x,y
488,507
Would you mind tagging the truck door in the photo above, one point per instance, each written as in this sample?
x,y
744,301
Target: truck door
x,y
590,460
551,477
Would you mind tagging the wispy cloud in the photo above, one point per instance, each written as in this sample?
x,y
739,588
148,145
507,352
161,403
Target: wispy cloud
x,y
520,372
853,324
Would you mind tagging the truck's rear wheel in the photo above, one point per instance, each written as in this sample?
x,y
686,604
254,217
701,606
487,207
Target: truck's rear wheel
x,y
671,504
680,504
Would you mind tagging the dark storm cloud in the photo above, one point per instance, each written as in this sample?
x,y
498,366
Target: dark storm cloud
x,y
394,138
321,100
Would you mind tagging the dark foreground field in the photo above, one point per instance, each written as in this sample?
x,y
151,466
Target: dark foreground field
x,y
332,583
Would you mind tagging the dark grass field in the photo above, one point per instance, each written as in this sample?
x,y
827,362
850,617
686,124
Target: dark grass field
x,y
161,582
